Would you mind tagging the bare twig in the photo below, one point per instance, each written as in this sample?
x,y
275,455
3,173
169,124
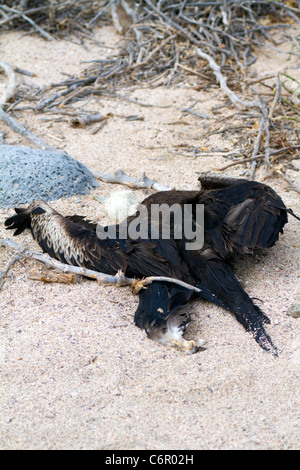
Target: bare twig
x,y
256,146
277,96
54,277
17,127
263,128
119,177
236,100
150,279
153,52
12,83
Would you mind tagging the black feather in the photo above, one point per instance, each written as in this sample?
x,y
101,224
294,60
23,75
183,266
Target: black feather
x,y
20,221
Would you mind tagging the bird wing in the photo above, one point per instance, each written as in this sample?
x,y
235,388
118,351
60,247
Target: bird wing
x,y
219,285
243,216
253,224
68,241
74,241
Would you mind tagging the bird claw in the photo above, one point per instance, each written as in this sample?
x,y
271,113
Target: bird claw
x,y
190,347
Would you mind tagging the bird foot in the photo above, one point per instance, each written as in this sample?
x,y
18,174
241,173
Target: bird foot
x,y
189,347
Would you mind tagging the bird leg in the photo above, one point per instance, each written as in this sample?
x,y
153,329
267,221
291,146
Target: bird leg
x,y
190,347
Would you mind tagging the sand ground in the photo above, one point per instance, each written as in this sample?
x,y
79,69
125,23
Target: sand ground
x,y
75,371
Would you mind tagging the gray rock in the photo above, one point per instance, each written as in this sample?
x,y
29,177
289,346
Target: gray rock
x,y
27,174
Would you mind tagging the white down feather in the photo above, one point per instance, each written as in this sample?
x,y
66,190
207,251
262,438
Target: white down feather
x,y
119,205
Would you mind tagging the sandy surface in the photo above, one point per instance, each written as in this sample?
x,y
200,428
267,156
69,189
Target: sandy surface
x,y
75,372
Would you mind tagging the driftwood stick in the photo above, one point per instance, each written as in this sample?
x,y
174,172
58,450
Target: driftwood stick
x,y
17,127
236,100
83,120
118,279
12,83
267,143
119,177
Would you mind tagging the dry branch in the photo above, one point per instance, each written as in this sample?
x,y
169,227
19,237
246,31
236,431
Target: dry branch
x,y
20,129
119,177
12,83
256,146
236,100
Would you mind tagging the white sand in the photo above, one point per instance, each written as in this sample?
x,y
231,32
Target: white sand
x,y
75,372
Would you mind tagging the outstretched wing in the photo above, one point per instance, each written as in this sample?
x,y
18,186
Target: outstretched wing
x,y
68,241
73,240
